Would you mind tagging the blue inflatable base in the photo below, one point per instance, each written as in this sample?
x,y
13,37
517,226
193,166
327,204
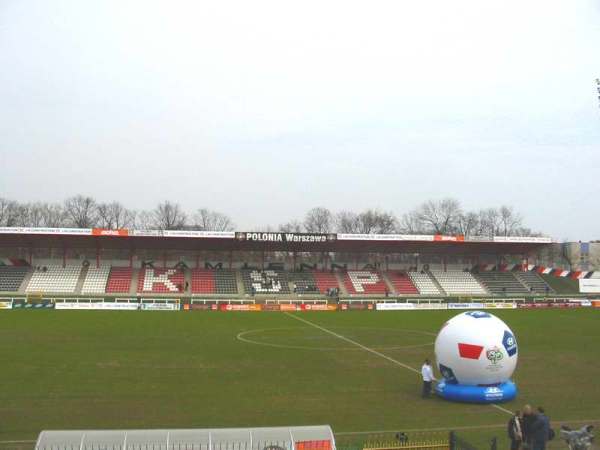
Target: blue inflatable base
x,y
503,392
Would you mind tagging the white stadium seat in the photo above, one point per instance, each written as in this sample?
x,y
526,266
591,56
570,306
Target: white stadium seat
x,y
55,279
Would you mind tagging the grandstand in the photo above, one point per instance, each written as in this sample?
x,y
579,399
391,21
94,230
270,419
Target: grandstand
x,y
268,265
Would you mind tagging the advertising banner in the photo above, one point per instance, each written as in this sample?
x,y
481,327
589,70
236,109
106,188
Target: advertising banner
x,y
410,306
317,307
589,285
251,307
160,306
439,237
46,304
465,305
285,237
97,306
503,305
394,306
198,307
355,306
271,307
596,303
532,305
385,237
105,232
288,307
6,304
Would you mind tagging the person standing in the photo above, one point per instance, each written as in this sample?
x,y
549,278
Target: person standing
x,y
527,422
541,430
428,378
515,431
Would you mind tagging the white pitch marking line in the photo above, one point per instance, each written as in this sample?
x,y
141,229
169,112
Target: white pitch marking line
x,y
375,352
344,338
500,408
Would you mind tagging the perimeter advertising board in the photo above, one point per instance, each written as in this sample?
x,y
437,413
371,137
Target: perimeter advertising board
x,y
6,305
97,306
410,306
251,307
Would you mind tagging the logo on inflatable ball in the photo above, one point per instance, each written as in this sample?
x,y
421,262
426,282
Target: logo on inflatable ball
x,y
476,348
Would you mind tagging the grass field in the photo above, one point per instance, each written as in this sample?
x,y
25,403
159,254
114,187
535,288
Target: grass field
x,y
81,369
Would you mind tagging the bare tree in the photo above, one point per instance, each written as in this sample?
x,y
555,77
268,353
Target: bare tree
x,y
81,211
8,212
410,223
169,216
114,216
510,221
293,226
346,222
368,222
318,220
440,216
376,222
53,215
207,220
467,224
489,222
144,220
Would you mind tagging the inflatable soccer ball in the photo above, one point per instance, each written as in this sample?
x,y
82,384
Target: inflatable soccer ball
x,y
476,348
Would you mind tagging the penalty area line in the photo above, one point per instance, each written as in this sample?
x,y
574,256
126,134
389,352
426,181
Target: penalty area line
x,y
374,352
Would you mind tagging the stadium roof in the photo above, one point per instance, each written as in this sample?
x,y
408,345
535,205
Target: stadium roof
x,y
177,240
286,438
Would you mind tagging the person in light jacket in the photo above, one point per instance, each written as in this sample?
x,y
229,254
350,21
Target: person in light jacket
x,y
428,378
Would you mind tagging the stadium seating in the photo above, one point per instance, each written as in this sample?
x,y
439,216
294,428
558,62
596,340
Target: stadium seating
x,y
55,279
203,281
534,282
265,281
11,277
501,283
95,280
119,280
457,282
325,281
225,282
160,281
424,283
364,282
304,282
402,283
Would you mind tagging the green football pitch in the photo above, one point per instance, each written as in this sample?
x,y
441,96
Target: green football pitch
x,y
352,370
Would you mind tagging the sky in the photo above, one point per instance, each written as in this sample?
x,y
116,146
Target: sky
x,y
265,109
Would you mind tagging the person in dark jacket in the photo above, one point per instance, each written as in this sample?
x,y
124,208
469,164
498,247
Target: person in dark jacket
x,y
515,431
527,426
541,430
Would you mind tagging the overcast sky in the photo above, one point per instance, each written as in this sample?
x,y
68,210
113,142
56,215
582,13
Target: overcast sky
x,y
263,110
